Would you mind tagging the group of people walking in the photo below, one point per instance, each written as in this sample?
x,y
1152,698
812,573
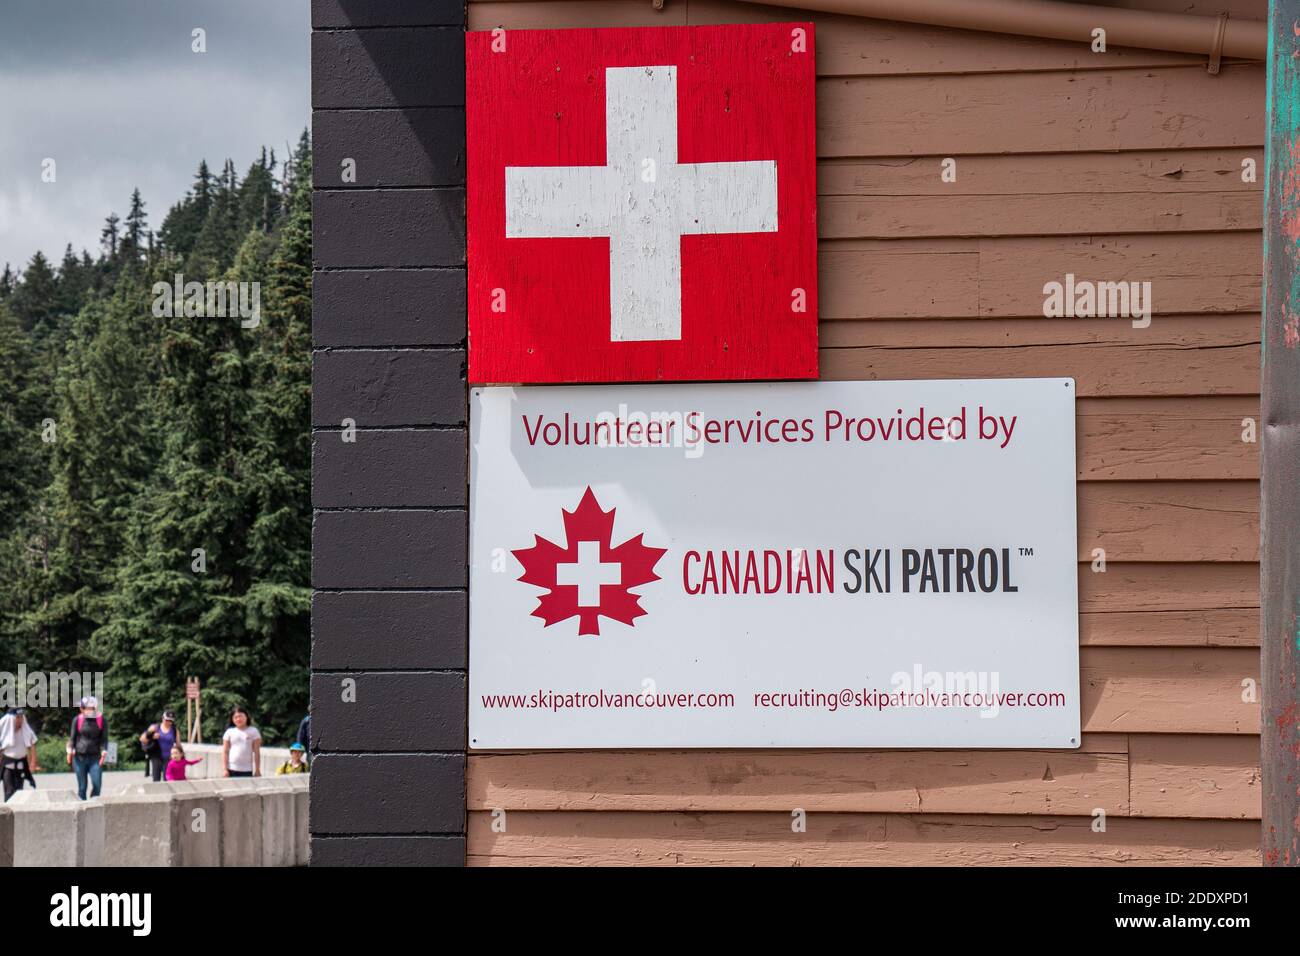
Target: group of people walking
x,y
241,748
87,749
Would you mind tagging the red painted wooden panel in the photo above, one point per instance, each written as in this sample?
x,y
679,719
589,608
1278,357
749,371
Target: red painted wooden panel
x,y
540,306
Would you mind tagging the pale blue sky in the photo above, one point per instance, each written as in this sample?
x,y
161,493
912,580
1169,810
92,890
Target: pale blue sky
x,y
111,90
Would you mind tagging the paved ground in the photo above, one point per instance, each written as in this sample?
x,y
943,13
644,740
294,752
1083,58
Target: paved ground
x,y
114,780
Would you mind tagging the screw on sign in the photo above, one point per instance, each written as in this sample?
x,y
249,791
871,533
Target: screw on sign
x,y
642,204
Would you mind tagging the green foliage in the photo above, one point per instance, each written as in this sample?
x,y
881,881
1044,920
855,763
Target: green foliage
x,y
174,433
21,460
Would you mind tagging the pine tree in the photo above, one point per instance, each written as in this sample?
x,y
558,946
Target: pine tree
x,y
295,164
36,302
35,299
74,282
183,222
219,236
109,236
134,238
259,201
202,190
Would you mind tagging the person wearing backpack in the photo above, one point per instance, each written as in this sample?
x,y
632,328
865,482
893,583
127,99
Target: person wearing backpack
x,y
157,742
88,746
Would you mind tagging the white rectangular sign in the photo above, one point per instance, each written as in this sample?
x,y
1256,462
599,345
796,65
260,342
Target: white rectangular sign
x,y
822,564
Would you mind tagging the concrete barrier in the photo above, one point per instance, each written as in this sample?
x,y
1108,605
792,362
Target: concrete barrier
x,y
240,821
299,784
55,832
278,824
196,823
6,837
29,797
138,830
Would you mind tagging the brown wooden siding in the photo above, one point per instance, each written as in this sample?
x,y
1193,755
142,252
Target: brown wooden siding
x,y
1124,165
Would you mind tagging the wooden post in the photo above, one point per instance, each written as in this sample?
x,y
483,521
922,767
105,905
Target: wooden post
x,y
193,698
1280,454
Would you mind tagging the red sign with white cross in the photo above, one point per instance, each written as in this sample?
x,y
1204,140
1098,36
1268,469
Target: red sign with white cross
x,y
642,204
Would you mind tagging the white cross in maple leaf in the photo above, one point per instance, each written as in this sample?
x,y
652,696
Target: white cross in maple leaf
x,y
643,200
589,573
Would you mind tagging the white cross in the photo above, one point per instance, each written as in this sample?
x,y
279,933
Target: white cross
x,y
589,573
643,200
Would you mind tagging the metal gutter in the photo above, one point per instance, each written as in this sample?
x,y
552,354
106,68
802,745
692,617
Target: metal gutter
x,y
1177,32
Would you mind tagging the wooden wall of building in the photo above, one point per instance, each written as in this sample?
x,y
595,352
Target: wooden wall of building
x,y
1118,166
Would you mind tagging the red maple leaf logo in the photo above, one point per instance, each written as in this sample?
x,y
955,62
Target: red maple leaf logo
x,y
589,577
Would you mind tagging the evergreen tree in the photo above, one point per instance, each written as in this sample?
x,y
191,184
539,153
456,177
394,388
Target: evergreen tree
x,y
295,164
74,283
38,302
109,236
135,237
174,433
259,201
219,237
181,227
202,191
35,300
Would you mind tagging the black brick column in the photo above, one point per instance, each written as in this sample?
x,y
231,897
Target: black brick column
x,y
390,530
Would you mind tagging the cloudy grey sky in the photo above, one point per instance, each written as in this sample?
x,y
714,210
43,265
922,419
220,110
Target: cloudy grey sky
x,y
111,90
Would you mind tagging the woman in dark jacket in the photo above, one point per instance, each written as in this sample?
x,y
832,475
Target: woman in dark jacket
x,y
88,746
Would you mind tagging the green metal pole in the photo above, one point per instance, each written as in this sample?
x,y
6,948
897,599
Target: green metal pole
x,y
1280,454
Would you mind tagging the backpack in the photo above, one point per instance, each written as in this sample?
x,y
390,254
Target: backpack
x,y
81,719
154,746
